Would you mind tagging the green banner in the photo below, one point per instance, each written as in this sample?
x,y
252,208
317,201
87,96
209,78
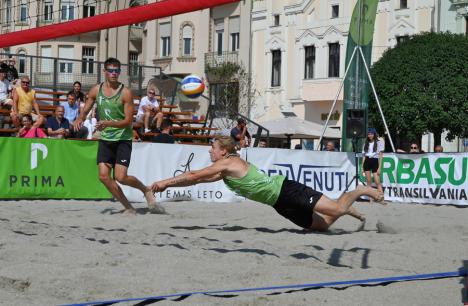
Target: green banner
x,y
42,168
356,83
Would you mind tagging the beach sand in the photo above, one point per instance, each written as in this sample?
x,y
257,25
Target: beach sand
x,y
58,252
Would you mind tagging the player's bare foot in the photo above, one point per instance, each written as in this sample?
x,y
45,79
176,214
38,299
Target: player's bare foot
x,y
153,206
376,195
362,225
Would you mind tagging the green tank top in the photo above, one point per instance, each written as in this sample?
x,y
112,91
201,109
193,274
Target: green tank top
x,y
256,185
112,109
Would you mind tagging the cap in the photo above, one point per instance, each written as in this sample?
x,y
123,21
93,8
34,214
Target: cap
x,y
372,130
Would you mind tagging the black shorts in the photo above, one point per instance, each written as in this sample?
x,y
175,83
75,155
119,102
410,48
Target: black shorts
x,y
371,164
296,203
114,152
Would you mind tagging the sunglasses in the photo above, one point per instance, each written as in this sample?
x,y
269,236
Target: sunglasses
x,y
113,70
151,93
414,147
25,82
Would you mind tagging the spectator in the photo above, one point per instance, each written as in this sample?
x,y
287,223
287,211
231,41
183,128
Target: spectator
x,y
262,143
148,111
414,148
78,94
57,125
24,101
12,73
439,149
372,161
28,131
239,134
165,135
5,90
90,124
330,146
71,111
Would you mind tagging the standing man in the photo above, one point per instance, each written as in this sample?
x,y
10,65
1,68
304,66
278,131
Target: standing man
x,y
240,132
115,107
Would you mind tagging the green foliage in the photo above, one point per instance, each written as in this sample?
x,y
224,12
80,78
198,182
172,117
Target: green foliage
x,y
422,85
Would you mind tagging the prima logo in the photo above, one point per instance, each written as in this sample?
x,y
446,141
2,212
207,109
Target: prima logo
x,y
35,147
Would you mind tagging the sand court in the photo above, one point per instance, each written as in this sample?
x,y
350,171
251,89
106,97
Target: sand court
x,y
63,252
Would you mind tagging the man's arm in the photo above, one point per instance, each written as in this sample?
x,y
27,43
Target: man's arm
x,y
36,106
209,174
88,105
127,100
14,108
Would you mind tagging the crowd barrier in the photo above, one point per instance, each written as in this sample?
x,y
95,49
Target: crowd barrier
x,y
55,169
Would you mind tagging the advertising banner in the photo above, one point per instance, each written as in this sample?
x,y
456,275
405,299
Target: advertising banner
x,y
42,168
151,162
426,178
327,172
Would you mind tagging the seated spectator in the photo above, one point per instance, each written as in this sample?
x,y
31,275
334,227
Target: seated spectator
x,y
330,146
165,135
57,125
240,134
28,131
414,148
78,94
71,111
5,90
12,73
24,101
438,149
262,143
90,124
149,112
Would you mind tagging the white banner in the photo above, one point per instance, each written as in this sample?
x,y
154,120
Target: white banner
x,y
327,172
426,178
155,161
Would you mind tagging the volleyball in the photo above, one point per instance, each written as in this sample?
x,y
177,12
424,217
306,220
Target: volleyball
x,y
192,86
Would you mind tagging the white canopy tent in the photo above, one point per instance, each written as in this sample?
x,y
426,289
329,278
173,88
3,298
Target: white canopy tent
x,y
296,128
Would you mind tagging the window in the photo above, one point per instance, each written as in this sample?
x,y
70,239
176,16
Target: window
x,y
276,20
165,31
46,63
234,29
187,34
335,11
133,63
65,52
403,4
87,66
276,68
67,10
309,62
22,62
219,28
48,10
24,11
333,60
7,7
400,39
89,8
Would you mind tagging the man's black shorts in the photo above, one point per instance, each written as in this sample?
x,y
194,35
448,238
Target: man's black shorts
x,y
296,203
114,152
371,164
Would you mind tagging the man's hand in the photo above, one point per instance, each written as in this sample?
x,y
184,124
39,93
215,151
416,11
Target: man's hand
x,y
101,125
158,187
77,124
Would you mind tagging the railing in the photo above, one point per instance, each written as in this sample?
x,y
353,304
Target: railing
x,y
213,59
60,73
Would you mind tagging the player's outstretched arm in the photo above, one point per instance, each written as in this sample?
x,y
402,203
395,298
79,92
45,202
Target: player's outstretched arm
x,y
209,174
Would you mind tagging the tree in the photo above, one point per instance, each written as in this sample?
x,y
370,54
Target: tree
x,y
422,85
232,90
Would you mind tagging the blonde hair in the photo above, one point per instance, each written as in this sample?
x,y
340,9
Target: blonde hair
x,y
226,143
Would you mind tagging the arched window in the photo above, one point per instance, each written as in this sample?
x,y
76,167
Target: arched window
x,y
187,40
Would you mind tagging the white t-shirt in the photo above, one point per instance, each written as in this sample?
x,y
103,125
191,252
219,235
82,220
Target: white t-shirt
x,y
370,151
145,101
5,87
